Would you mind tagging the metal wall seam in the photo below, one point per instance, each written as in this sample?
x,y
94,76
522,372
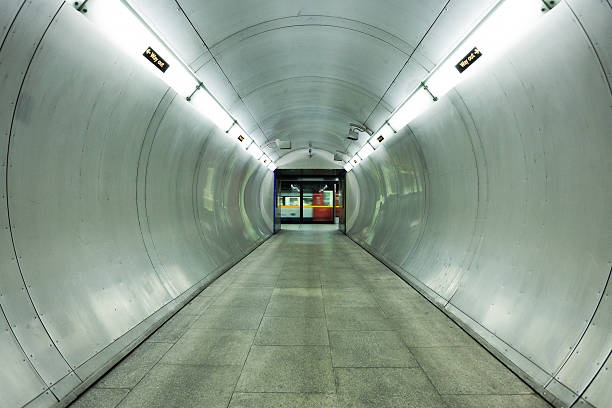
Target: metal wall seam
x,y
539,237
40,349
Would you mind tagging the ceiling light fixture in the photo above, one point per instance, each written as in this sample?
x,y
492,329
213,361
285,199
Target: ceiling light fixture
x,y
129,31
365,151
413,107
353,134
255,151
501,26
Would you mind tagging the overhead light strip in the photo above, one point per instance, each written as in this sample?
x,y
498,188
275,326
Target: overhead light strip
x,y
123,25
501,26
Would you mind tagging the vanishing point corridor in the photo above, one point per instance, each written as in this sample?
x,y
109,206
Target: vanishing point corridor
x,y
309,319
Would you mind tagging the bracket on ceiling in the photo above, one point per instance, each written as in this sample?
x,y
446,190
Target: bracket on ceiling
x,y
80,6
355,129
280,144
426,88
198,86
548,5
339,156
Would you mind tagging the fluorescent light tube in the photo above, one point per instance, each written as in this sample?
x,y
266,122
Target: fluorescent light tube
x,y
502,26
383,134
272,166
235,131
348,167
205,103
265,160
355,161
365,151
130,34
127,29
417,103
255,151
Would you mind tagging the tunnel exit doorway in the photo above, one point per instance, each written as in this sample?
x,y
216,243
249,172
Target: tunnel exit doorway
x,y
309,197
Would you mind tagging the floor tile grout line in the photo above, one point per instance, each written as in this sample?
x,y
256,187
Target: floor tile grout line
x,y
331,357
367,285
250,348
402,338
173,344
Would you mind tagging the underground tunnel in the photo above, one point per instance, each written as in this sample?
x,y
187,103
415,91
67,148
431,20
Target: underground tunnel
x,y
298,203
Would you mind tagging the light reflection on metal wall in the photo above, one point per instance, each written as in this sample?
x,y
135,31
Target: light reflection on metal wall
x,y
505,219
123,203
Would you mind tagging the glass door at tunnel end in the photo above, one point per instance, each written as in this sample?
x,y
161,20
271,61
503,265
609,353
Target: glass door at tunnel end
x,y
318,204
289,199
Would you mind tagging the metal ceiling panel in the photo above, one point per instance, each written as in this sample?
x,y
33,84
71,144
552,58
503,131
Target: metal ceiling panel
x,y
356,43
454,23
169,21
218,19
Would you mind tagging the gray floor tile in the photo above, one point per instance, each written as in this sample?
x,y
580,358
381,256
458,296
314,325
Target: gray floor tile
x,y
369,349
495,401
173,329
294,267
211,347
388,283
134,367
298,292
287,369
356,318
399,291
267,400
291,272
296,302
409,320
306,282
467,370
169,386
405,307
306,287
198,305
348,297
214,289
386,387
100,398
434,333
254,280
292,331
124,376
244,297
230,318
295,307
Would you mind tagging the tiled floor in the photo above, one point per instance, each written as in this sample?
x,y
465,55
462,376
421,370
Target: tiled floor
x,y
310,319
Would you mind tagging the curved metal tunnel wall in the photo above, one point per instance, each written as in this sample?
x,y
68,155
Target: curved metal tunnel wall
x,y
120,203
495,204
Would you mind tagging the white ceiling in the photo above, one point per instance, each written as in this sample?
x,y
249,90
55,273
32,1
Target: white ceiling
x,y
303,70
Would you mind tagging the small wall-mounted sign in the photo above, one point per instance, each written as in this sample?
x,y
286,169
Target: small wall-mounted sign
x,y
468,60
241,138
156,60
380,139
